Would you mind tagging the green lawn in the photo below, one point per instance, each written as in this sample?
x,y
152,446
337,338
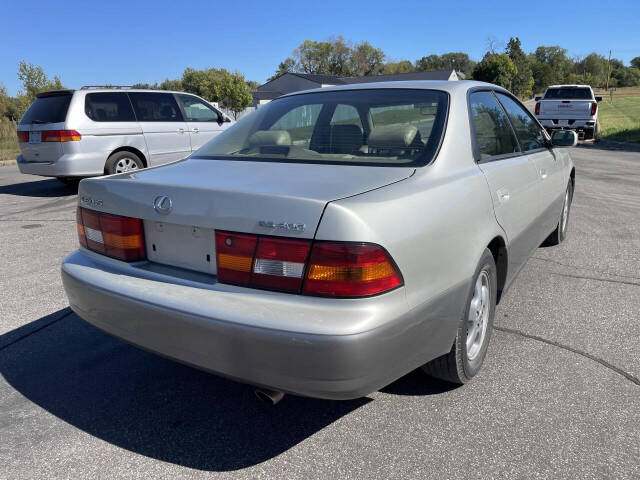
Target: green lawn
x,y
620,119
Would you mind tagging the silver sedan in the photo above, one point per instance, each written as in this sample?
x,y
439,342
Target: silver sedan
x,y
330,242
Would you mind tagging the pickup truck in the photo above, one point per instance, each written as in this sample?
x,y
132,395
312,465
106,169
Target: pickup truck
x,y
569,107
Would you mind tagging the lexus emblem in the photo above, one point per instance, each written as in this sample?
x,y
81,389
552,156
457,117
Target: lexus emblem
x,y
163,204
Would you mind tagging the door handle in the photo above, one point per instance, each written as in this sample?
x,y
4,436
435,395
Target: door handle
x,y
503,195
181,130
195,130
543,173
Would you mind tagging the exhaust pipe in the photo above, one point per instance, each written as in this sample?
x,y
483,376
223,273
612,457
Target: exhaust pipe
x,y
269,396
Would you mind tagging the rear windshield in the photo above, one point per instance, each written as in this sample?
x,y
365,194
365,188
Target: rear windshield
x,y
568,93
383,127
47,110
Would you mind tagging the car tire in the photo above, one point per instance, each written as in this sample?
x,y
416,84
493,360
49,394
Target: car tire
x,y
560,233
469,348
122,162
596,131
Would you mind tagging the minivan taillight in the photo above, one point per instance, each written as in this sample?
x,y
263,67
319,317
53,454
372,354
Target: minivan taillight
x,y
538,108
60,136
594,108
112,235
23,137
331,269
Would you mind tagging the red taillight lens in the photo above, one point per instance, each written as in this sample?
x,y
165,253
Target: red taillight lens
x,y
279,263
60,136
234,257
538,108
350,270
112,235
23,137
594,108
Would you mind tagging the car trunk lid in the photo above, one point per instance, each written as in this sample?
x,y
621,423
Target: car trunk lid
x,y
196,196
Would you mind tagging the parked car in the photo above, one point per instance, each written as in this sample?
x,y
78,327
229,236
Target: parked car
x,y
569,107
71,134
330,242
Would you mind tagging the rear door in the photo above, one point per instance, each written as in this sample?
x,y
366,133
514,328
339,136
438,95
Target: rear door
x,y
47,112
512,177
203,121
163,126
533,143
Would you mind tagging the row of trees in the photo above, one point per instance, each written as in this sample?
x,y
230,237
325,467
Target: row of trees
x,y
512,68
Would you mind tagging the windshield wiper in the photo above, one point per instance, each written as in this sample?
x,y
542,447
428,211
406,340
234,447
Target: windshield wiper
x,y
38,122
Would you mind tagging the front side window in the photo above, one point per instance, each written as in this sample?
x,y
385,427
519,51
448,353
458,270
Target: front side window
x,y
155,107
403,127
108,107
527,130
493,133
195,110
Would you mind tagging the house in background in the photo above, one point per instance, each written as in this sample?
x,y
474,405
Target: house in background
x,y
295,82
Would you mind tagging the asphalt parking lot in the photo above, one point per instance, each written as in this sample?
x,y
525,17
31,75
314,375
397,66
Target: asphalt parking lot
x,y
559,396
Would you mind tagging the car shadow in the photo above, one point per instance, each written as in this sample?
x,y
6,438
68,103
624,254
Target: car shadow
x,y
50,187
150,405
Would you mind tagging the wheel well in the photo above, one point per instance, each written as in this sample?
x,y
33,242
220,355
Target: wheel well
x,y
499,251
128,149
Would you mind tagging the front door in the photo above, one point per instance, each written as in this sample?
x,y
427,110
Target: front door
x,y
511,175
203,121
164,129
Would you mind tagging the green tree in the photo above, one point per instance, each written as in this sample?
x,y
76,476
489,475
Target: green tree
x,y
234,93
447,61
34,81
635,62
543,74
313,57
287,65
556,57
495,68
166,84
430,62
402,66
366,60
594,69
522,82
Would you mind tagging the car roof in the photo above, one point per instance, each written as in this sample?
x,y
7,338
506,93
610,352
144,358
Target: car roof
x,y
569,86
445,85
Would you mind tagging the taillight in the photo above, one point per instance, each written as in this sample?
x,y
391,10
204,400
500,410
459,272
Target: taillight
x,y
594,108
350,270
60,136
23,137
538,108
234,257
332,269
112,235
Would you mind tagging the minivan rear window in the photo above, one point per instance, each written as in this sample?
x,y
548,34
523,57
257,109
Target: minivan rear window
x,y
383,127
49,109
568,93
108,107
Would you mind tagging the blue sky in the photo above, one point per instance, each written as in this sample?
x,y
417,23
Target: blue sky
x,y
127,42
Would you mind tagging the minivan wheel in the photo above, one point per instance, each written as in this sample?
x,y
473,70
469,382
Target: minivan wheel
x,y
122,162
560,233
469,348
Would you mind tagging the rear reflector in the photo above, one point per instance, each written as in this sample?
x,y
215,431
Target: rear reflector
x,y
332,269
23,137
60,136
350,270
112,235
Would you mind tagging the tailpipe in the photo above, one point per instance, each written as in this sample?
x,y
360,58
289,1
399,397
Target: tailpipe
x,y
269,396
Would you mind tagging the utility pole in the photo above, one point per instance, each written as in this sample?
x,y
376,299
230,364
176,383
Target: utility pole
x,y
609,71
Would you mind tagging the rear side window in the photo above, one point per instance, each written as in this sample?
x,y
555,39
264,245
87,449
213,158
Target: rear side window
x,y
155,107
48,109
197,111
493,133
528,131
568,93
108,107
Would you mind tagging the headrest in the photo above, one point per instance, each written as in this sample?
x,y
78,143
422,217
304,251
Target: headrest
x,y
266,138
396,136
346,138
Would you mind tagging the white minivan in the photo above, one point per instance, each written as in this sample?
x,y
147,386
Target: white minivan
x,y
71,134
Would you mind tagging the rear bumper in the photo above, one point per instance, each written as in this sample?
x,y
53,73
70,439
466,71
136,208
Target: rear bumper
x,y
328,349
68,165
568,124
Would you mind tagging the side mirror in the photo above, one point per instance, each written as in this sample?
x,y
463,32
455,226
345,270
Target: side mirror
x,y
598,99
227,120
538,99
564,138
